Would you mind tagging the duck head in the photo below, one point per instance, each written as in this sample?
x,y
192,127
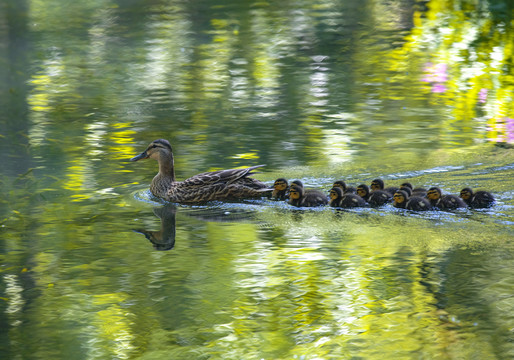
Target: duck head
x,y
280,184
363,191
154,150
400,198
341,184
434,193
377,184
296,192
466,194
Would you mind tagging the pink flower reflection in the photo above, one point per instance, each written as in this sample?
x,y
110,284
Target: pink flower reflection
x,y
504,129
437,75
438,88
482,95
509,129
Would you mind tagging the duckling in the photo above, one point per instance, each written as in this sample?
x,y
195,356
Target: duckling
x,y
339,199
444,202
479,199
378,184
406,184
299,197
402,200
407,189
216,185
280,187
341,184
379,198
346,189
363,191
297,182
422,192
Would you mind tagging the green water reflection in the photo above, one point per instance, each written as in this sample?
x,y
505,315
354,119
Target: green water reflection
x,y
92,267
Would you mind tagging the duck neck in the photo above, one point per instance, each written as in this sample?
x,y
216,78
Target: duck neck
x,y
167,166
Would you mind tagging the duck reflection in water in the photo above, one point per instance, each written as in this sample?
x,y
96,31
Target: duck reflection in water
x,y
164,239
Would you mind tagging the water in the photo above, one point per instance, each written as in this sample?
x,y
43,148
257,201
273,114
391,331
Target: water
x,y
93,267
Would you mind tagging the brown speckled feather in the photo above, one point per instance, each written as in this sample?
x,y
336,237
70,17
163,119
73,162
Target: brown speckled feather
x,y
216,185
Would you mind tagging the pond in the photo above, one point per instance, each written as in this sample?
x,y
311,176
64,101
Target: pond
x,y
92,266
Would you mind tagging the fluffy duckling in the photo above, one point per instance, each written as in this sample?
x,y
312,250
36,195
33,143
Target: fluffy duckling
x,y
407,189
378,184
419,191
363,191
379,198
402,200
346,189
297,182
280,187
479,199
299,197
444,202
339,199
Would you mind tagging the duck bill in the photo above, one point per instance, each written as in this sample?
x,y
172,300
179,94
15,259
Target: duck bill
x,y
143,155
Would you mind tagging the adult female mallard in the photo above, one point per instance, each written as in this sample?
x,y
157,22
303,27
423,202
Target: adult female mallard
x,y
479,199
216,185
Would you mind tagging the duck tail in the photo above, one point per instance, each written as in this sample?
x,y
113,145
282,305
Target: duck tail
x,y
252,168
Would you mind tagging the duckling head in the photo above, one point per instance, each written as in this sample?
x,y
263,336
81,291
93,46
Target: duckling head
x,y
296,192
335,193
400,198
297,183
154,150
279,188
341,184
466,194
377,184
406,184
434,193
280,184
363,190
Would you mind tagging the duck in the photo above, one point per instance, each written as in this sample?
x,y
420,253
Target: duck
x,y
477,200
299,197
378,184
402,200
444,202
346,189
363,191
418,191
280,187
342,200
407,189
231,184
379,198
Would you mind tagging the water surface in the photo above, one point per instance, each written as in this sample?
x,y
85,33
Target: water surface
x,y
93,267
